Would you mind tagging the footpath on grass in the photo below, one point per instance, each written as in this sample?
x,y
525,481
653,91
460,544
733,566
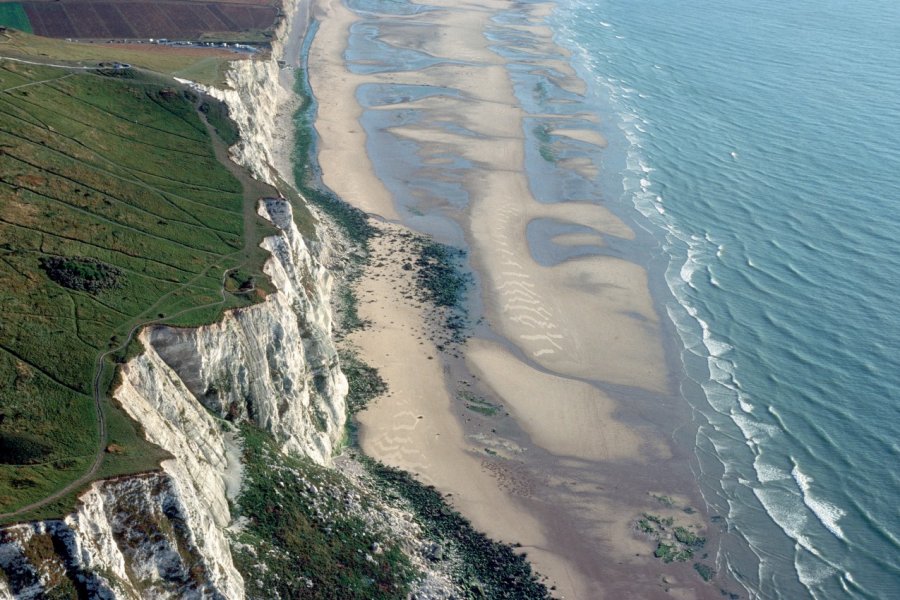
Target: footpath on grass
x,y
246,257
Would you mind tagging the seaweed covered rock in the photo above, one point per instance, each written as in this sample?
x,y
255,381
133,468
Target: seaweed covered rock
x,y
484,568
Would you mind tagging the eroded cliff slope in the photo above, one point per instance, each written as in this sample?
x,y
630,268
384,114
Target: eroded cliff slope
x,y
274,364
163,534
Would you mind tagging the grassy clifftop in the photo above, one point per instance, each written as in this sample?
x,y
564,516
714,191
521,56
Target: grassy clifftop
x,y
118,206
204,65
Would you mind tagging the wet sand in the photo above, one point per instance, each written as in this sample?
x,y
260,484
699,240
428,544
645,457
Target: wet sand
x,y
420,124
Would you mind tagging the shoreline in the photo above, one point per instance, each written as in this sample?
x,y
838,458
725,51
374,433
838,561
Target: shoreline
x,y
541,475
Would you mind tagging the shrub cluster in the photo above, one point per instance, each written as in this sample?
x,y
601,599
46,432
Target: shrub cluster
x,y
83,274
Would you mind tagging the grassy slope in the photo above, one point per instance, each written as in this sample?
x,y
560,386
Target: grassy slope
x,y
122,170
204,66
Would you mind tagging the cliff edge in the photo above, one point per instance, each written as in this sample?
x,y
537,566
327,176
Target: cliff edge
x,y
274,364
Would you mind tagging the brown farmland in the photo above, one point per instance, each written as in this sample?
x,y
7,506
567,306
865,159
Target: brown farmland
x,y
172,19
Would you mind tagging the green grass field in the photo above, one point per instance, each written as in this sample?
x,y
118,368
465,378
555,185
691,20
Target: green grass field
x,y
206,66
117,180
12,14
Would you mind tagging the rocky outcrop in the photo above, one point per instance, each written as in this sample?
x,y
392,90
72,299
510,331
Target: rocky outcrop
x,y
130,538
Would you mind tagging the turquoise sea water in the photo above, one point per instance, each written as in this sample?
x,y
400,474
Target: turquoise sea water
x,y
760,143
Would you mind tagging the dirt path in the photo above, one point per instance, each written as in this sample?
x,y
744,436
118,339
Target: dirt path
x,y
44,64
41,82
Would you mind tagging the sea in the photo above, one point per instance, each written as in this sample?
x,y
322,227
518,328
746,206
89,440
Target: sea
x,y
759,145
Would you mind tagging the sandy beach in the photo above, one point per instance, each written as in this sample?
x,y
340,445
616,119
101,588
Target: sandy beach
x,y
429,132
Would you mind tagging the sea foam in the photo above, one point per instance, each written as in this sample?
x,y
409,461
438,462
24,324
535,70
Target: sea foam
x,y
827,513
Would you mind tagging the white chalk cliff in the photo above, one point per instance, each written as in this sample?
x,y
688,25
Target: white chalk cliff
x,y
132,537
163,534
261,106
273,363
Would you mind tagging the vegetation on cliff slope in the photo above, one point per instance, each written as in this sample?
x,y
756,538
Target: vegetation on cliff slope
x,y
486,568
305,535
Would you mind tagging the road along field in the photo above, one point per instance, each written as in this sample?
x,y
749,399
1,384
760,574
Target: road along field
x,y
203,65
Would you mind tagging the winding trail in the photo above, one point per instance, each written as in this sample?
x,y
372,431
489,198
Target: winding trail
x,y
97,393
253,191
45,64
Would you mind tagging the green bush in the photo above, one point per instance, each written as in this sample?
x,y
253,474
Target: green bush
x,y
83,274
705,571
687,537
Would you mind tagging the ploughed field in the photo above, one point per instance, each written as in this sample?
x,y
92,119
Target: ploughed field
x,y
137,19
117,208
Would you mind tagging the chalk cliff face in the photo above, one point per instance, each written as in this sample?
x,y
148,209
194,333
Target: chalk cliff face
x,y
131,538
253,99
274,363
163,534
258,103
